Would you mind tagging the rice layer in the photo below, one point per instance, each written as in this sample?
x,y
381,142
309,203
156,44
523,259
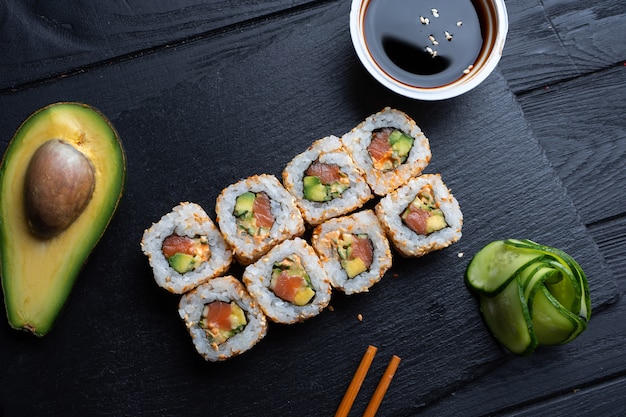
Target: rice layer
x,y
257,279
186,219
288,220
359,138
405,240
363,222
225,289
328,150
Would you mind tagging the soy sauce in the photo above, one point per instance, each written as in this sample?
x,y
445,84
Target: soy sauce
x,y
426,43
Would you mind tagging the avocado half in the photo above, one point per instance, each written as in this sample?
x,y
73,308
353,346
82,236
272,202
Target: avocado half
x,y
38,272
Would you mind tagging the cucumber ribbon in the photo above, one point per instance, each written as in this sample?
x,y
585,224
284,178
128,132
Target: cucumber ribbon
x,y
529,294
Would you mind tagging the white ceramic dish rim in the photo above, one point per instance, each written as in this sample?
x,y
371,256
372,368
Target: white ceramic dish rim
x,y
463,85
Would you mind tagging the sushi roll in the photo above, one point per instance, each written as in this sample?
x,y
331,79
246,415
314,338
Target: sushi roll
x,y
421,216
289,282
185,249
222,319
325,181
354,251
256,214
390,148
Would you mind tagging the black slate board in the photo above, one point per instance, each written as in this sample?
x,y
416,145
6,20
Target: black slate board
x,y
198,117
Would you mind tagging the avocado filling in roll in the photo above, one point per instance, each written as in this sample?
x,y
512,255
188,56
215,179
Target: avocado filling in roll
x,y
290,281
324,182
423,215
221,321
184,253
389,148
254,213
355,252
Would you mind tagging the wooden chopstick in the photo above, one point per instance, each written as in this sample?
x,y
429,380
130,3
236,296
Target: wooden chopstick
x,y
355,384
381,389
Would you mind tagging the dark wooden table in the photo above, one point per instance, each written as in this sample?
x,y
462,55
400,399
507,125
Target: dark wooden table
x,y
205,93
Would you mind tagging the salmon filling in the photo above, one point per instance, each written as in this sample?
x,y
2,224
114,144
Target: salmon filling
x,y
355,252
324,182
290,281
184,253
221,321
253,212
423,215
389,148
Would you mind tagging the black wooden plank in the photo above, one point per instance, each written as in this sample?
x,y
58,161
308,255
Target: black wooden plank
x,y
580,124
558,39
43,39
610,236
595,358
591,32
604,399
596,383
268,91
533,54
571,37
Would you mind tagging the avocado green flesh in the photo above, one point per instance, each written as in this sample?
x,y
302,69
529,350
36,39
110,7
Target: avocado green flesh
x,y
38,273
401,143
244,203
181,262
314,190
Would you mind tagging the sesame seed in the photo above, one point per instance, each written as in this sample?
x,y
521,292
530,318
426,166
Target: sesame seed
x,y
435,12
434,54
429,49
331,308
359,317
459,23
460,254
466,71
448,35
424,20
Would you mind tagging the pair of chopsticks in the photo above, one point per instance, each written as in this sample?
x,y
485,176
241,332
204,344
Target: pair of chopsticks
x,y
357,381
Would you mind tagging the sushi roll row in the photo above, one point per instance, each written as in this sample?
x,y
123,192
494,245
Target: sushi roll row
x,y
260,223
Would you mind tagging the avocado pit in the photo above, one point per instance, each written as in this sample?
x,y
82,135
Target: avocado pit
x,y
59,184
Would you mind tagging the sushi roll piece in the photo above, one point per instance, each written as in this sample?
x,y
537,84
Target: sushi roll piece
x,y
354,251
185,249
421,216
222,319
325,181
289,282
255,214
390,148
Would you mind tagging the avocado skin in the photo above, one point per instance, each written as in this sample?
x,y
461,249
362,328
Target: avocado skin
x,y
38,274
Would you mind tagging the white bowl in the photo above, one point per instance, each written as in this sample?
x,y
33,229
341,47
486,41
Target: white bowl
x,y
494,34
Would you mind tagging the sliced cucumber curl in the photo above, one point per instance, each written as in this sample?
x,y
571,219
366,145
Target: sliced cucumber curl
x,y
529,294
